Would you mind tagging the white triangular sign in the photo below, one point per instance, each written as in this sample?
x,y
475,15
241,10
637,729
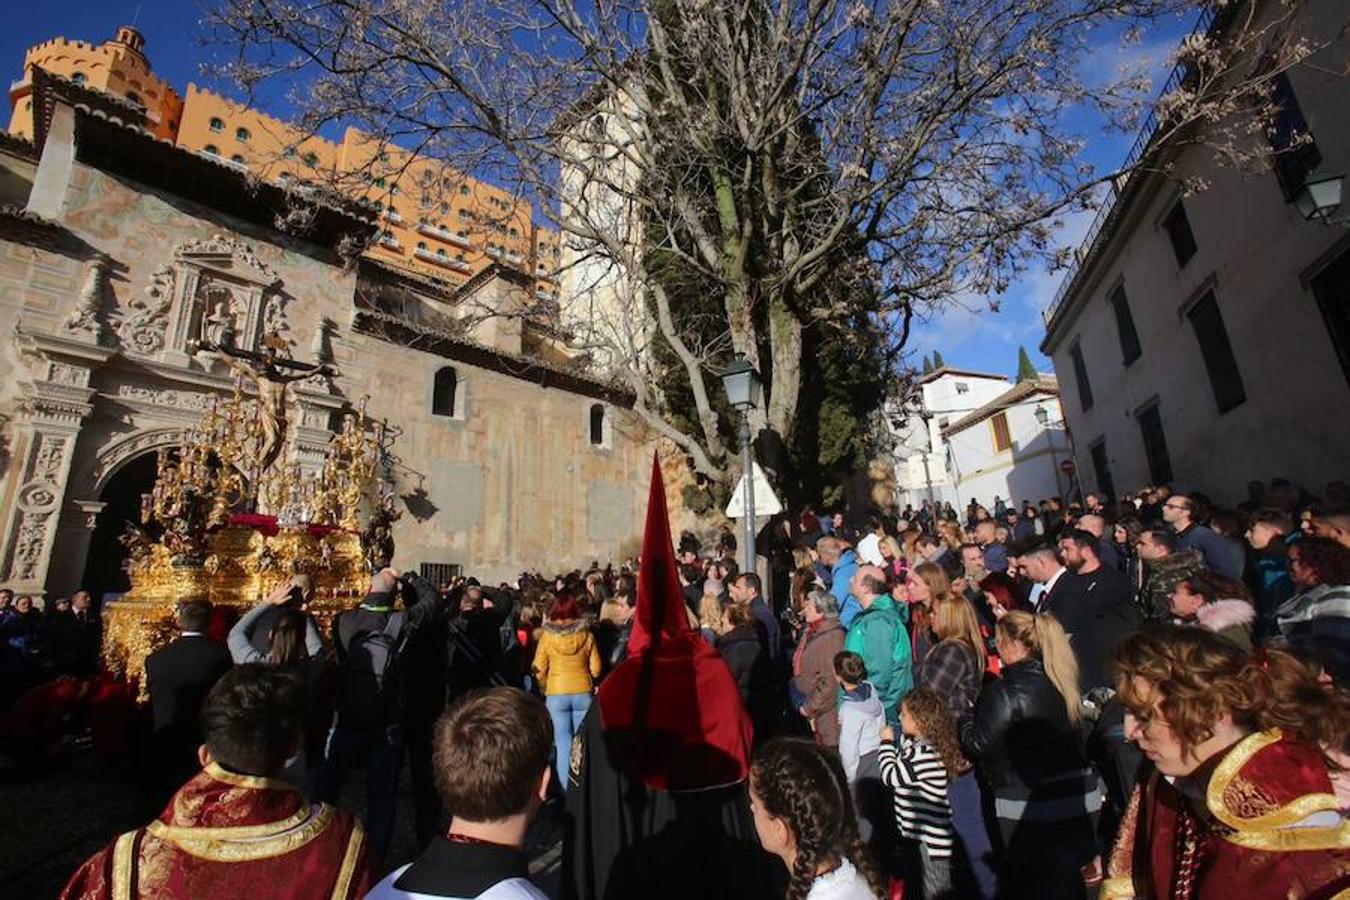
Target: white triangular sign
x,y
766,501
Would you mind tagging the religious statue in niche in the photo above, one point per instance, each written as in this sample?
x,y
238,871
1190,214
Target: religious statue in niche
x,y
218,323
270,372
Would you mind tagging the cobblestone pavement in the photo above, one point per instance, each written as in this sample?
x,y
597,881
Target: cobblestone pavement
x,y
53,823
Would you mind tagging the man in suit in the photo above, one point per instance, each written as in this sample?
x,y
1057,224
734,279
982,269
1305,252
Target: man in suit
x,y
1060,588
178,678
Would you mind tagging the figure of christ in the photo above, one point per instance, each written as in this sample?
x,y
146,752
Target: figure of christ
x,y
270,373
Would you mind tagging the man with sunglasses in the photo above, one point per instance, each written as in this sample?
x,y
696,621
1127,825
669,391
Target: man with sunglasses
x,y
1179,512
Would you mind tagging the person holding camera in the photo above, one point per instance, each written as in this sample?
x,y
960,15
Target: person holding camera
x,y
369,641
291,643
289,634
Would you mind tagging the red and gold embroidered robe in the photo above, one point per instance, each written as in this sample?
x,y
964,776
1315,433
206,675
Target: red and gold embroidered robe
x,y
228,835
1260,822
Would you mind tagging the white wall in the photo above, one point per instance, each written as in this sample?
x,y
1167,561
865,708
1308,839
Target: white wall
x,y
921,456
1027,470
1258,255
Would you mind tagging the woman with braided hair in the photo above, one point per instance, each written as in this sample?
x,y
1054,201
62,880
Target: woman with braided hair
x,y
804,815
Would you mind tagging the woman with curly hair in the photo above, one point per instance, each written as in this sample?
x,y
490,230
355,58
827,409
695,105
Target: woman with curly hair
x,y
1235,798
804,815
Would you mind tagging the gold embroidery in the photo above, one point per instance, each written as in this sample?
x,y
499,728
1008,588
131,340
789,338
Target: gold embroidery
x,y
123,869
576,759
264,847
175,833
1291,839
344,879
1117,889
1246,800
1281,817
248,781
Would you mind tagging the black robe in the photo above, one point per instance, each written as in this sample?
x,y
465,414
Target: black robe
x,y
626,840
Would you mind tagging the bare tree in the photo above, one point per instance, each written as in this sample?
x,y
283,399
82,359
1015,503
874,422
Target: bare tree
x,y
801,160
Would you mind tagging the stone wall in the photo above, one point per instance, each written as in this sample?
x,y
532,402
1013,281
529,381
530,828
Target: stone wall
x,y
510,481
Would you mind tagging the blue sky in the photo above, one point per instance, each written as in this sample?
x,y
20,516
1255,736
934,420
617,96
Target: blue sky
x,y
967,334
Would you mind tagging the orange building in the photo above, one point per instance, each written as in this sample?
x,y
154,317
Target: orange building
x,y
436,221
118,66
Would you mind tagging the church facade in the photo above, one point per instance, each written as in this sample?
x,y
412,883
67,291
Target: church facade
x,y
128,251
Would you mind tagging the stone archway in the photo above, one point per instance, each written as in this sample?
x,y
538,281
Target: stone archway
x,y
120,493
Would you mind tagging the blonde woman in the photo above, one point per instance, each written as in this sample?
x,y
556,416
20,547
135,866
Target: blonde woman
x,y
896,561
711,620
1023,737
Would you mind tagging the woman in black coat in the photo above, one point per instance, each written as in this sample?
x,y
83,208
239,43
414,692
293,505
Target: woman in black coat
x,y
1023,736
748,660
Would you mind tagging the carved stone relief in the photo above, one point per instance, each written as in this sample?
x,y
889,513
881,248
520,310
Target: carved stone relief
x,y
165,397
215,289
111,457
38,500
65,373
84,319
141,324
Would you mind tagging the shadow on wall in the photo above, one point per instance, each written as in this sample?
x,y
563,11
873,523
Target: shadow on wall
x,y
14,188
1038,477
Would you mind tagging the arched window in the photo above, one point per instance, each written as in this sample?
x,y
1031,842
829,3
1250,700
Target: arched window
x,y
78,78
241,135
236,158
443,392
211,150
597,419
311,159
134,98
441,254
421,245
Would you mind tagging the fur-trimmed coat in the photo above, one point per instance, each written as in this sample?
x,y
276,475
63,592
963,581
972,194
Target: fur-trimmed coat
x,y
1231,619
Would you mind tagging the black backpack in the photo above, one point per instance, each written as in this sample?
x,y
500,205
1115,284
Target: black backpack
x,y
368,686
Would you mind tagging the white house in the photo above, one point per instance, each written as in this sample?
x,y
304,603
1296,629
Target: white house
x,y
1205,340
943,396
1011,447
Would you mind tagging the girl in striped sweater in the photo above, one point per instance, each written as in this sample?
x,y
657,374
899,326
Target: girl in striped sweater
x,y
917,769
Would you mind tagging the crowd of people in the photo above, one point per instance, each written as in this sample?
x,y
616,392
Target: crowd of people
x,y
1148,695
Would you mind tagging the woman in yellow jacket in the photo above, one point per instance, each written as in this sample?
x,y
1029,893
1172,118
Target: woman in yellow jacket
x,y
566,664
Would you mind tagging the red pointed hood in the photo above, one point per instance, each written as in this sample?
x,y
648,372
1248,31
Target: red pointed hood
x,y
671,711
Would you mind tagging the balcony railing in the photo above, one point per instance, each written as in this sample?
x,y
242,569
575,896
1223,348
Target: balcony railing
x,y
392,215
388,240
1098,232
443,234
458,265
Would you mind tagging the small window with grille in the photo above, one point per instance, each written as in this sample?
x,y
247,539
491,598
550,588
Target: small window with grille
x,y
440,574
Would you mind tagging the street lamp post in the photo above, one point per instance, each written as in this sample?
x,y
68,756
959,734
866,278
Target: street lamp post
x,y
743,387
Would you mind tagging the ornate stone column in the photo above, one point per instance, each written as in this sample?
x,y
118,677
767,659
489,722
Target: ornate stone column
x,y
57,400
